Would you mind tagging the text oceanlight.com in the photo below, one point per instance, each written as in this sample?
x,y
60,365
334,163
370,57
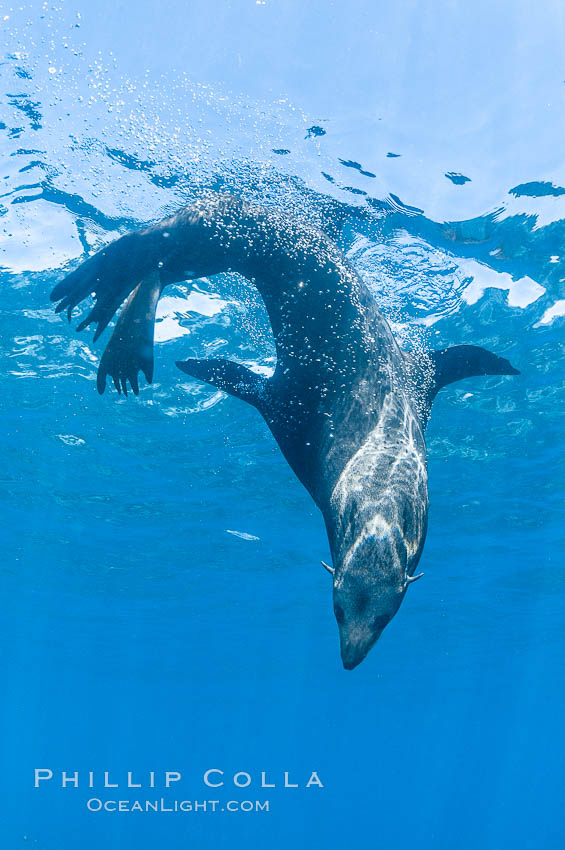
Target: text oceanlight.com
x,y
95,804
98,783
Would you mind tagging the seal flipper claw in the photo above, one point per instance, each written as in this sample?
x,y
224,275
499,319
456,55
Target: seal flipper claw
x,y
147,369
231,377
101,382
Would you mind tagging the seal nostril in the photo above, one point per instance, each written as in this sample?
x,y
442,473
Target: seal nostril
x,y
339,614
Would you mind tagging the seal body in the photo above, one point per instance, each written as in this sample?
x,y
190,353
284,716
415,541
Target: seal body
x,y
346,406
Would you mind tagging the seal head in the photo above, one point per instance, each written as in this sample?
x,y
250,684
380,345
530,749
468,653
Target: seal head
x,y
367,594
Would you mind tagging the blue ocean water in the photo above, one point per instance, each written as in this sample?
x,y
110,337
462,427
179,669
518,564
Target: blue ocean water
x,y
164,607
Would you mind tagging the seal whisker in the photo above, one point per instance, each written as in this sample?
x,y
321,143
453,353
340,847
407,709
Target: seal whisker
x,y
410,579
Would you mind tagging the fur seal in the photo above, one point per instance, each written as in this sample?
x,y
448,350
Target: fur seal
x,y
347,407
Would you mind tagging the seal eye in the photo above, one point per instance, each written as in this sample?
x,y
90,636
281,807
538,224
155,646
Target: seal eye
x,y
339,615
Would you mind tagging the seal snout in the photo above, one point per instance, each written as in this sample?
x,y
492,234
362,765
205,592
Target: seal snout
x,y
361,613
354,651
351,659
357,638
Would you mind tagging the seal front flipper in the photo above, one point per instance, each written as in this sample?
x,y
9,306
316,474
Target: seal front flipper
x,y
454,364
466,361
130,348
231,377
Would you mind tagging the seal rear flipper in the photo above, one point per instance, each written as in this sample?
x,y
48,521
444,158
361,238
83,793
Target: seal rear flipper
x,y
109,275
130,348
231,377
